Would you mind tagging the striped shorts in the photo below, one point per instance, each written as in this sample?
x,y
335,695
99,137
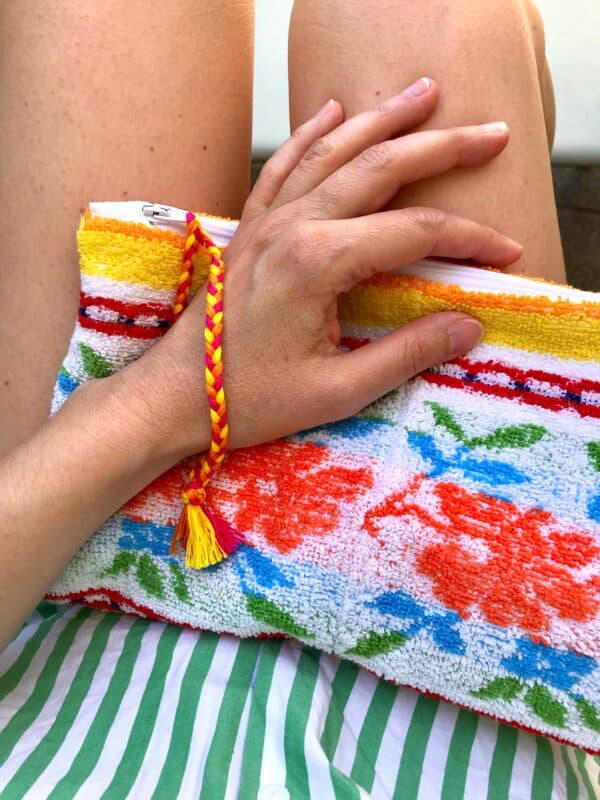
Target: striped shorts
x,y
97,705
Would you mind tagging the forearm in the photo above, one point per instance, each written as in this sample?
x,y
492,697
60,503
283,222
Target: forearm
x,y
58,487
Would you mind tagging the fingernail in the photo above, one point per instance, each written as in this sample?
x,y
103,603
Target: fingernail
x,y
495,127
325,110
463,335
419,88
516,246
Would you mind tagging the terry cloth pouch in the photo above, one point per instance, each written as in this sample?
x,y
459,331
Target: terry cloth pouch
x,y
447,537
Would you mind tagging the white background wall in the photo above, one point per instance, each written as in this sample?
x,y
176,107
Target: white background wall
x,y
573,46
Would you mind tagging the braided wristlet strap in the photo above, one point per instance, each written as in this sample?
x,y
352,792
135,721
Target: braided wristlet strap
x,y
206,538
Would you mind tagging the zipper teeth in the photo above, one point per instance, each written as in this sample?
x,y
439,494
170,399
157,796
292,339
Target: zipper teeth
x,y
478,279
467,278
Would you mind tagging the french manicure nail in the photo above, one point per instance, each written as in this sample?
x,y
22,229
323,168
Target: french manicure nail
x,y
495,127
463,335
419,88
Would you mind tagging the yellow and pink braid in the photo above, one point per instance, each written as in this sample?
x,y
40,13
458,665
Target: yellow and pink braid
x,y
206,538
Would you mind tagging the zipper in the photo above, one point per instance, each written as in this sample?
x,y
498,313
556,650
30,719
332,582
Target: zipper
x,y
470,279
478,279
162,216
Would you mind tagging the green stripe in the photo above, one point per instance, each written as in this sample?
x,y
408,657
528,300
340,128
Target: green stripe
x,y
415,744
459,755
344,788
143,726
42,755
48,610
29,711
255,737
296,719
572,782
199,664
218,760
543,773
16,672
580,758
371,734
341,689
502,763
98,733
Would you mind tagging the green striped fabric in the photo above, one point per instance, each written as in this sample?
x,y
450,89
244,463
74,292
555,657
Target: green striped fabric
x,y
99,705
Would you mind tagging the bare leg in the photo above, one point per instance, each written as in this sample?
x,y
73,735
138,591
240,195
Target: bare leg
x,y
108,101
488,59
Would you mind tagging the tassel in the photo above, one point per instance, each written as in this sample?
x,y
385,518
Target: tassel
x,y
206,538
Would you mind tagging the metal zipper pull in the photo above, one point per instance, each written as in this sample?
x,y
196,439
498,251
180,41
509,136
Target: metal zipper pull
x,y
157,214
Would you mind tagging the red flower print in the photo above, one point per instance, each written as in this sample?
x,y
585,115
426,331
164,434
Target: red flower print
x,y
160,501
517,566
288,491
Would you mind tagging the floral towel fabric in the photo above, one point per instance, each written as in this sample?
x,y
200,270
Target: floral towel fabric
x,y
447,537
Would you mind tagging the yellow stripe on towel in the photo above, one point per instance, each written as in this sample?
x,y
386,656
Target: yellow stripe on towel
x,y
523,322
154,262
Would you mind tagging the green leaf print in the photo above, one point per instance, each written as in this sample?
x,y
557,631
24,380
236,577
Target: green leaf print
x,y
266,611
500,689
178,583
512,436
589,714
95,365
444,418
122,563
509,437
377,643
594,454
150,577
548,708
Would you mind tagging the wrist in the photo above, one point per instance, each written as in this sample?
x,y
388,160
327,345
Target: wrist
x,y
148,409
115,419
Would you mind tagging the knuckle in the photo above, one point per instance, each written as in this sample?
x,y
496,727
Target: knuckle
x,y
266,184
297,244
317,243
298,134
430,221
311,244
269,172
323,200
378,157
321,150
270,229
459,138
414,355
335,250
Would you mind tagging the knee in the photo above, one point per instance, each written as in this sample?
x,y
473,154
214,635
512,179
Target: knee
x,y
517,26
505,20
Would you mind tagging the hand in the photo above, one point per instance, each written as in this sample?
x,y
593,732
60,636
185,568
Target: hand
x,y
311,229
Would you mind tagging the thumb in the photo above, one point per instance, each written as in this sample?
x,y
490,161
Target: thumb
x,y
382,365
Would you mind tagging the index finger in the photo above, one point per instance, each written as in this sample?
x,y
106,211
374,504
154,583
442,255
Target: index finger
x,y
398,114
372,179
355,249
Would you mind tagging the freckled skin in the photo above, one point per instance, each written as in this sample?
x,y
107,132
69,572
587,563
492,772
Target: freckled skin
x,y
81,121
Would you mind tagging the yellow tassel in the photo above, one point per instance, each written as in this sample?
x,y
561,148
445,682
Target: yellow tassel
x,y
201,547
